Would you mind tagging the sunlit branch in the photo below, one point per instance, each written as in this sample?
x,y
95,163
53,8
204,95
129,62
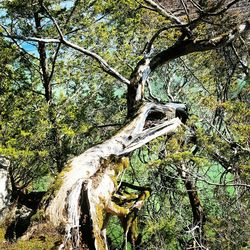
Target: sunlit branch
x,y
103,64
163,12
27,38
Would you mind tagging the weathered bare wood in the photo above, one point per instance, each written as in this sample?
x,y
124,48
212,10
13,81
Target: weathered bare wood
x,y
90,177
94,172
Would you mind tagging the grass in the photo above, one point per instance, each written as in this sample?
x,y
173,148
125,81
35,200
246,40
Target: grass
x,y
44,238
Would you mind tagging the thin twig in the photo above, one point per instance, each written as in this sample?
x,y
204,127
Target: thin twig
x,y
186,10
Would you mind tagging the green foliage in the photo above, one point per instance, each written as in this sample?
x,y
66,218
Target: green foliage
x,y
115,232
164,229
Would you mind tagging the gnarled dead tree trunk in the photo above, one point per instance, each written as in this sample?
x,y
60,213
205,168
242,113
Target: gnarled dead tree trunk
x,y
93,174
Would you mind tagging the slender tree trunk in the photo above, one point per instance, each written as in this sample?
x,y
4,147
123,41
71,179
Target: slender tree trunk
x,y
46,77
43,60
199,218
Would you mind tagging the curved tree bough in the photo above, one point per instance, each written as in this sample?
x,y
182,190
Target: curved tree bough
x,y
92,174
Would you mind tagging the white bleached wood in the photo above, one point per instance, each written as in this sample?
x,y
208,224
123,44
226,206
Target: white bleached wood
x,y
84,168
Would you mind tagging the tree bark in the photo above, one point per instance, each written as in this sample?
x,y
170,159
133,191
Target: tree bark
x,y
43,60
181,47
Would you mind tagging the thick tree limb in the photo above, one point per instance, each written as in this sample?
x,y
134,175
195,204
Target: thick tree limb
x,y
190,46
152,133
145,67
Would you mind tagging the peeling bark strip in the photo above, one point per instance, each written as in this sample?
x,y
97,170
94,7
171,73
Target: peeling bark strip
x,y
95,171
136,87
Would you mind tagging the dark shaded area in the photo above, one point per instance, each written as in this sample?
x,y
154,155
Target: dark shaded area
x,y
19,225
182,114
181,110
131,103
27,205
155,115
86,227
30,200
